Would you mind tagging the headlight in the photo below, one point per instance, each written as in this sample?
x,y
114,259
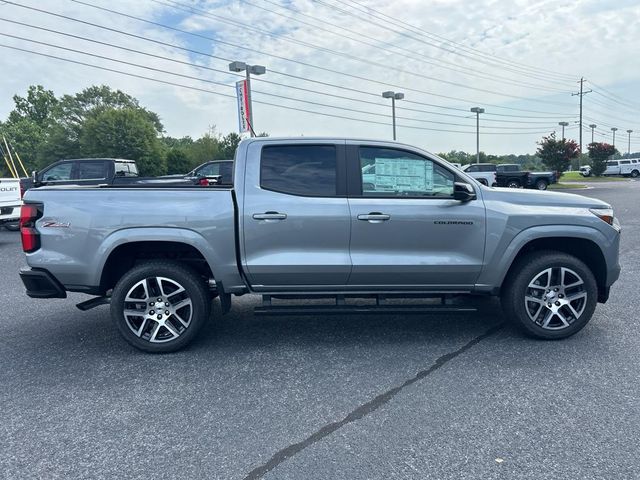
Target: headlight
x,y
604,214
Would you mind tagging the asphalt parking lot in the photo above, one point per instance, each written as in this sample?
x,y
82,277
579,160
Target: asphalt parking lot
x,y
360,397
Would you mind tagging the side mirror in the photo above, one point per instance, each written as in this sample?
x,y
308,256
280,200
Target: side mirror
x,y
34,176
463,192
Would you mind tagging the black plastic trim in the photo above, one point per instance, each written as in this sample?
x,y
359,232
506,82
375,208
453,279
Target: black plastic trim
x,y
41,284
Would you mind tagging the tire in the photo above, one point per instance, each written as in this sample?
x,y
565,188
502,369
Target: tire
x,y
483,182
182,293
542,184
12,227
513,184
634,174
530,299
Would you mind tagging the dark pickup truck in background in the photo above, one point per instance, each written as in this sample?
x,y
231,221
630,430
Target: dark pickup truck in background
x,y
509,175
95,171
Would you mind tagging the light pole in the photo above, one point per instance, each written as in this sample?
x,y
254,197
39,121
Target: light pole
x,y
563,124
592,127
477,111
629,147
393,96
614,129
249,69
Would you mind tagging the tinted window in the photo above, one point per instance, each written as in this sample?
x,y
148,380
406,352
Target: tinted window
x,y
209,170
91,170
299,170
472,168
395,173
612,163
59,173
625,162
487,168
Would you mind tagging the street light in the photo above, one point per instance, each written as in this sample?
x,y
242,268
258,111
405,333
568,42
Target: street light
x,y
563,124
393,96
477,111
248,69
592,127
614,129
629,147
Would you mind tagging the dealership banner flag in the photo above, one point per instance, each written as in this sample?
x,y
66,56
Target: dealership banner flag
x,y
243,106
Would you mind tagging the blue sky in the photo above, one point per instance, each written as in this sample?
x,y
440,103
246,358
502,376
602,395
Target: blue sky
x,y
520,60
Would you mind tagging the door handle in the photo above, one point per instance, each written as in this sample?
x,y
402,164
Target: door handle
x,y
374,217
269,216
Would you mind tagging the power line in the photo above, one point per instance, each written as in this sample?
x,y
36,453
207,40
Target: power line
x,y
534,74
198,35
277,105
406,52
195,65
214,82
203,13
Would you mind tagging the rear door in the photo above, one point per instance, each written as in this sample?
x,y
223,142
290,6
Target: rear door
x,y
407,231
296,221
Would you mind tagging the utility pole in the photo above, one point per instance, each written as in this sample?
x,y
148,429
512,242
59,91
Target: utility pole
x,y
629,147
582,93
477,111
592,127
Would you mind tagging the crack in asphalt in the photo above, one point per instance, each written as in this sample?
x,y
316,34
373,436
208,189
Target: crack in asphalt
x,y
363,410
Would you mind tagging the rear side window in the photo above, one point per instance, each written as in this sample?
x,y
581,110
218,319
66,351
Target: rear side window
x,y
487,168
625,162
92,170
308,170
126,169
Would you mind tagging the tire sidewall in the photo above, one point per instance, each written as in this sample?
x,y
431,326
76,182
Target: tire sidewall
x,y
524,272
186,277
541,185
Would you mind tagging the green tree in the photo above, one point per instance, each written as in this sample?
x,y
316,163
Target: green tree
x,y
178,161
599,153
557,154
39,106
124,133
228,145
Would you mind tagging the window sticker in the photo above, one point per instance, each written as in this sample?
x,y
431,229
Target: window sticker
x,y
403,175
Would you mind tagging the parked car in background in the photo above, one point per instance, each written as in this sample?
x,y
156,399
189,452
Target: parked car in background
x,y
625,167
485,173
509,175
10,201
94,171
585,170
222,169
320,218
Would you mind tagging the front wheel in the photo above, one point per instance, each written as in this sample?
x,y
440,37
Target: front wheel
x,y
550,295
513,184
541,184
159,306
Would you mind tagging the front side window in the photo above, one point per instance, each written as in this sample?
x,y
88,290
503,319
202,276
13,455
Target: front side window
x,y
209,170
308,170
395,173
59,173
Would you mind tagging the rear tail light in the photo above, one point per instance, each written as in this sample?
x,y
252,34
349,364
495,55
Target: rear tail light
x,y
29,214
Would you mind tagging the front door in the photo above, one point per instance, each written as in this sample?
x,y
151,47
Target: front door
x,y
296,220
406,228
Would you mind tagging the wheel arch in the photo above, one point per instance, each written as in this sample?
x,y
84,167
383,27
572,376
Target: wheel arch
x,y
584,249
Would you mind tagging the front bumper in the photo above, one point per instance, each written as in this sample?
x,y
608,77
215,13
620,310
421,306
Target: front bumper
x,y
41,284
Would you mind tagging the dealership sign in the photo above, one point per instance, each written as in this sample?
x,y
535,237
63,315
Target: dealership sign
x,y
243,106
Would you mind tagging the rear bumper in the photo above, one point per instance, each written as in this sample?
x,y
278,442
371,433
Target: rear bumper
x,y
41,284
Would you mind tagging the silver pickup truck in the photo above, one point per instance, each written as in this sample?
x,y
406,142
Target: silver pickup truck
x,y
358,223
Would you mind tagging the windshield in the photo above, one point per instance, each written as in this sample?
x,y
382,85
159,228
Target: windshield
x,y
126,169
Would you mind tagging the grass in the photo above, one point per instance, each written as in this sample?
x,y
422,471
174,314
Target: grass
x,y
576,177
566,186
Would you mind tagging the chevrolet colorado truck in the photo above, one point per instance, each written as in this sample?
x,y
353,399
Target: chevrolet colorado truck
x,y
356,223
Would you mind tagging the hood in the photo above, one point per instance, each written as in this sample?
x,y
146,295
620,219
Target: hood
x,y
543,198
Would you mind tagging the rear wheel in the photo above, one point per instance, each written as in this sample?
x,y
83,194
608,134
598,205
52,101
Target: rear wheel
x,y
541,184
12,227
550,295
160,306
513,184
635,173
